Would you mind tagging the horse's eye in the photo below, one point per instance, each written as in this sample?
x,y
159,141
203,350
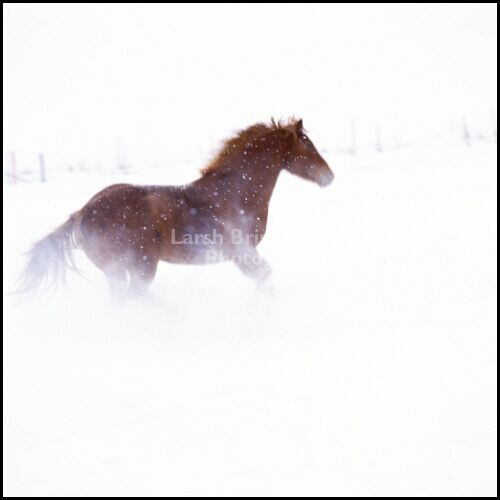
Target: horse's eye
x,y
307,142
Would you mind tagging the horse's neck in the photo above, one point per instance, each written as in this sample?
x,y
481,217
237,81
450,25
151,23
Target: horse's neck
x,y
246,187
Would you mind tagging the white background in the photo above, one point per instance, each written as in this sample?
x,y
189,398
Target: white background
x,y
170,82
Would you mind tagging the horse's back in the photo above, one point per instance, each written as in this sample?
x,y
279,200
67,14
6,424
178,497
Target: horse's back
x,y
111,192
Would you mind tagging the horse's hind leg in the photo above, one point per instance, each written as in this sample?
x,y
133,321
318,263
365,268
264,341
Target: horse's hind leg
x,y
113,269
142,274
117,278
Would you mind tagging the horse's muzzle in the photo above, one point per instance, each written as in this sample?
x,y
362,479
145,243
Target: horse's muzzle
x,y
326,179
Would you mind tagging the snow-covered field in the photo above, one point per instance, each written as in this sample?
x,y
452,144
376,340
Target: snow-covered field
x,y
371,370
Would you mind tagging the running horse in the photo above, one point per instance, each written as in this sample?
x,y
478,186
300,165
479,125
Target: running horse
x,y
125,230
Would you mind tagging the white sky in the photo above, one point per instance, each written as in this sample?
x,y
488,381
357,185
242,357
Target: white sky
x,y
171,81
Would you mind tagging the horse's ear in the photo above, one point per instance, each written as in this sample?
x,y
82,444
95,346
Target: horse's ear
x,y
286,132
299,126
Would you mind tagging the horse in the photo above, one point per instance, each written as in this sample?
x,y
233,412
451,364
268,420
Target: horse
x,y
126,230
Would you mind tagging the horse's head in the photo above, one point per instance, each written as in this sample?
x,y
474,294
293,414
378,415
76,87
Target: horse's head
x,y
303,158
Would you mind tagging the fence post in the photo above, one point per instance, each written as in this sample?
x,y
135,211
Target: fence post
x,y
41,162
13,171
494,123
465,131
378,133
353,137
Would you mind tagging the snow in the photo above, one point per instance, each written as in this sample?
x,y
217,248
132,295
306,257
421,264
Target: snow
x,y
371,369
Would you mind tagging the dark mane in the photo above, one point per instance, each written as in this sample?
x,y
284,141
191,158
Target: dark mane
x,y
235,144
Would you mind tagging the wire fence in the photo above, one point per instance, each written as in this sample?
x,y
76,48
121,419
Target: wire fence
x,y
21,167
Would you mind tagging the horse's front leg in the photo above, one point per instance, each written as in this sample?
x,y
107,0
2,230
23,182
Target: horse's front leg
x,y
253,265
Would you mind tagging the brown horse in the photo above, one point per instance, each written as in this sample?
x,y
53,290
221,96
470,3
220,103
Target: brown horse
x,y
125,230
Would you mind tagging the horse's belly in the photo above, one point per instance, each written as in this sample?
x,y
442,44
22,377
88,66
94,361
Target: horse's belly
x,y
194,254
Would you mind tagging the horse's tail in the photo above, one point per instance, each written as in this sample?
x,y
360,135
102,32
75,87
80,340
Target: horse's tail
x,y
49,258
